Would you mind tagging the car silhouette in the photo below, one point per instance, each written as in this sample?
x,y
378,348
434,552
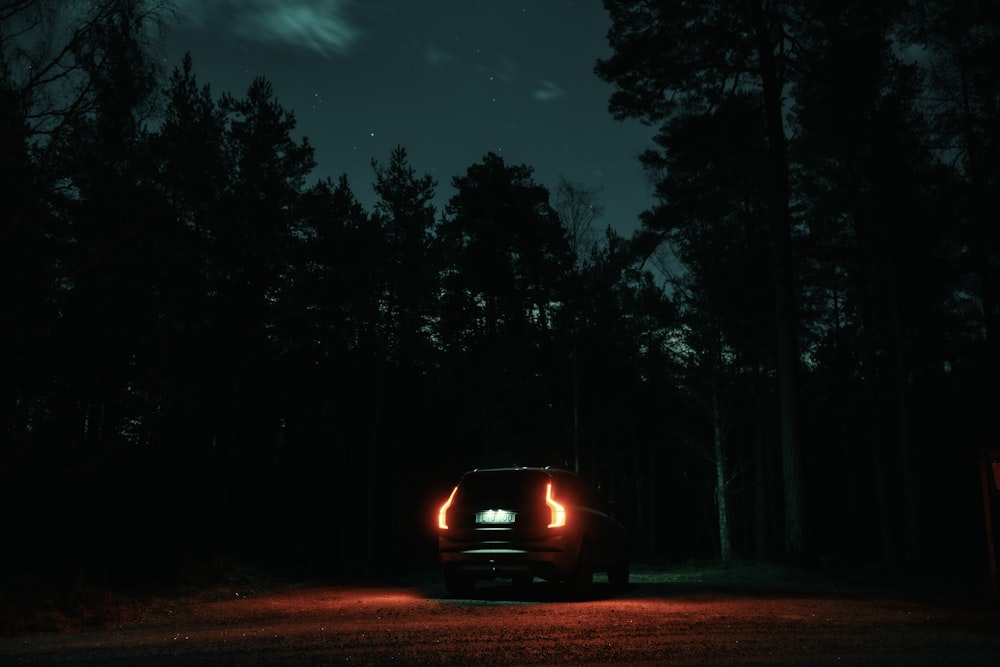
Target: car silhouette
x,y
521,523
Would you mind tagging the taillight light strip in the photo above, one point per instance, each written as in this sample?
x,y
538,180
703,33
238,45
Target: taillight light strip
x,y
443,512
558,511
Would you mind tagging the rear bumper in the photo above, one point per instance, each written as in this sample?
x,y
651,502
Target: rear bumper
x,y
546,559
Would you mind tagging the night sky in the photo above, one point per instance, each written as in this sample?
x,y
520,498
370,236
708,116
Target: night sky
x,y
449,80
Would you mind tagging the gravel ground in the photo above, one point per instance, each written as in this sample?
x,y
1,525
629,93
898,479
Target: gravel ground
x,y
691,615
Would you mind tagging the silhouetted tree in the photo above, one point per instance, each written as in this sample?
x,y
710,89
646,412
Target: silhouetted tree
x,y
331,324
613,325
957,44
28,265
405,212
82,94
251,266
51,48
504,257
879,274
193,175
578,207
680,56
29,323
711,210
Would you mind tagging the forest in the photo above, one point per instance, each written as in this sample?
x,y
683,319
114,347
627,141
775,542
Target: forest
x,y
209,357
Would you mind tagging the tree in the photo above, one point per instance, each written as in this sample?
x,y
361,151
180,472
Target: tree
x,y
270,172
614,322
711,213
683,56
112,258
959,42
405,212
252,250
52,51
877,260
504,256
81,79
252,239
333,354
28,266
195,166
579,208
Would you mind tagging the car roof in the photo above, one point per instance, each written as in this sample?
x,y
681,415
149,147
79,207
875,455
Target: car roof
x,y
547,470
521,468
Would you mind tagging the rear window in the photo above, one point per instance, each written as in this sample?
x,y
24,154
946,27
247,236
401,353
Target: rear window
x,y
498,487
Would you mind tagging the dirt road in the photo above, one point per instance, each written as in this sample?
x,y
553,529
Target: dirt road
x,y
660,620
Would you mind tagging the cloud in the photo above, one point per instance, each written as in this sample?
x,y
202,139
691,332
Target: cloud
x,y
320,26
548,91
438,57
506,69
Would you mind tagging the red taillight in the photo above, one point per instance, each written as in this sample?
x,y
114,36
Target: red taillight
x,y
558,511
443,512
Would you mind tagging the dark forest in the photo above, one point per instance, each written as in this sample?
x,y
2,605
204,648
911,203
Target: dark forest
x,y
208,358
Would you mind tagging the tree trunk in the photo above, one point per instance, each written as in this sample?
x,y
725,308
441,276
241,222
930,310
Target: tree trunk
x,y
576,414
761,524
908,490
721,493
785,318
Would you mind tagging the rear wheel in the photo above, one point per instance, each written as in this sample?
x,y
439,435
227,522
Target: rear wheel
x,y
583,574
618,573
458,582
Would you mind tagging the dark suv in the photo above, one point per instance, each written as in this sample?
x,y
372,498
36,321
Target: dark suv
x,y
522,523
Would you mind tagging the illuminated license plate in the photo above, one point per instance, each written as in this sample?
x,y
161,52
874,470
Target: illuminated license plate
x,y
495,516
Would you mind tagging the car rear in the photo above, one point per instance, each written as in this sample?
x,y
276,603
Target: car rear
x,y
506,523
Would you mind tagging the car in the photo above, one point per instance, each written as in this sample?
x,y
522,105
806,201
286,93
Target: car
x,y
525,522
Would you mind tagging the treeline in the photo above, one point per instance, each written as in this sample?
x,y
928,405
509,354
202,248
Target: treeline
x,y
209,358
825,173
